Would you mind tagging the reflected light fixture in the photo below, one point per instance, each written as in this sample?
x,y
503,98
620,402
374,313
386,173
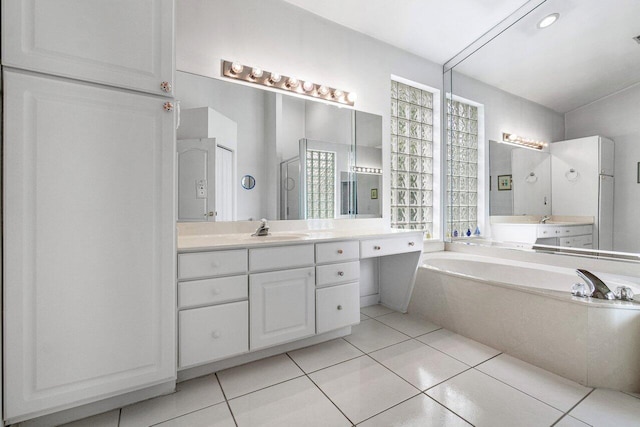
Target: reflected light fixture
x,y
548,20
372,171
256,75
519,141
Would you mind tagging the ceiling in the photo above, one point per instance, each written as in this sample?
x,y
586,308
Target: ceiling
x,y
587,54
433,29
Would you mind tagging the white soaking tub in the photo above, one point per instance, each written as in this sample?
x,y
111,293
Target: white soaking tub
x,y
527,310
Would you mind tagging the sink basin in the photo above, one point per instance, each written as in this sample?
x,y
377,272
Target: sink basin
x,y
279,236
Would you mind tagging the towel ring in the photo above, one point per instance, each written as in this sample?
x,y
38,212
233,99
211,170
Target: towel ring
x,y
531,178
571,174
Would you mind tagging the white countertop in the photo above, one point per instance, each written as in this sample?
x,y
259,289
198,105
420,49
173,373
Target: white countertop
x,y
193,241
559,220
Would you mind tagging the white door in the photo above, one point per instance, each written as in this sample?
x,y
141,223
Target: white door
x,y
121,43
196,186
89,243
224,185
282,306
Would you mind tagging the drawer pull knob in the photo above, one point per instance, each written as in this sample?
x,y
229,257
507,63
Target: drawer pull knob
x,y
215,335
340,251
165,86
412,244
377,248
339,307
340,273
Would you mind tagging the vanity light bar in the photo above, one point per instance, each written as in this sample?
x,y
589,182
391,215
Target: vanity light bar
x,y
513,139
255,75
361,169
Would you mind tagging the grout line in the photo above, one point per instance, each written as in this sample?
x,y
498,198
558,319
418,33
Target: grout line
x,y
455,358
377,349
517,389
394,373
485,361
335,364
389,408
573,407
187,413
396,329
233,417
444,381
449,409
322,391
632,395
119,416
270,385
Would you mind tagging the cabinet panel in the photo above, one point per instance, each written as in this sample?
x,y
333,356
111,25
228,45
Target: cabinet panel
x,y
280,257
396,245
212,291
122,43
89,243
282,306
337,273
337,251
209,264
337,306
211,333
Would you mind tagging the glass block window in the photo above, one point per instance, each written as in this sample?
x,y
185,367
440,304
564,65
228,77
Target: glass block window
x,y
462,176
321,183
411,157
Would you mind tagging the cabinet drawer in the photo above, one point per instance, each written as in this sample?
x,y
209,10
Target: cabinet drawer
x,y
280,257
209,264
396,245
337,306
212,291
337,251
212,333
584,241
337,273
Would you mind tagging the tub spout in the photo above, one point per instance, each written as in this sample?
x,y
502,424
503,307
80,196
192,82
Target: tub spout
x,y
600,290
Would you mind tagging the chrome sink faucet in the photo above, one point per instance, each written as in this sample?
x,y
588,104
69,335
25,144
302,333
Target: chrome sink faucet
x,y
545,219
263,229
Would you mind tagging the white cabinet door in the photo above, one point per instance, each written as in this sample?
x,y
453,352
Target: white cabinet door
x,y
89,243
337,306
282,306
121,43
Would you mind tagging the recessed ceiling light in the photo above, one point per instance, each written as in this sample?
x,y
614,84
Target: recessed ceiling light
x,y
548,20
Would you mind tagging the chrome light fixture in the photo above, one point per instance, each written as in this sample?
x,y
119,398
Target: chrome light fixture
x,y
519,141
255,75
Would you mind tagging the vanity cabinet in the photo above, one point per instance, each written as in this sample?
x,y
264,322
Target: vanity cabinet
x,y
89,241
123,43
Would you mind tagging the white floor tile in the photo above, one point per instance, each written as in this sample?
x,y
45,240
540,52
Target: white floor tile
x,y
375,310
608,408
407,324
371,335
485,401
418,363
362,387
555,390
297,402
325,354
468,351
213,416
190,396
569,421
256,375
107,419
419,411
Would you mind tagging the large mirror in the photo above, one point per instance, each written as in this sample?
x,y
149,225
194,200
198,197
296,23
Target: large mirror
x,y
304,159
573,87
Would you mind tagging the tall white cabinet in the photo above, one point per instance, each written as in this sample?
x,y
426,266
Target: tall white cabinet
x,y
88,209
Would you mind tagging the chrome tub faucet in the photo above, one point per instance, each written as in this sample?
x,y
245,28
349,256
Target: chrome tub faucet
x,y
263,228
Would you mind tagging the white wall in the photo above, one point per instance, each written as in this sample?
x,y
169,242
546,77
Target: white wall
x,y
504,112
280,37
617,117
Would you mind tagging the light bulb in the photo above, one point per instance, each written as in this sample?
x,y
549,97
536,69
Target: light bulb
x,y
308,86
351,97
337,94
274,78
236,68
292,83
548,20
323,90
256,73
512,137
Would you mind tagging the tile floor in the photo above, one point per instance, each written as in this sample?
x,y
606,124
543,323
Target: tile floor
x,y
393,370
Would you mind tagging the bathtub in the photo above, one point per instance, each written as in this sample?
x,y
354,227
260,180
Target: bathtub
x,y
526,310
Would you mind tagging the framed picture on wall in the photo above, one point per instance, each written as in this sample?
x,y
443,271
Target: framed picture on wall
x,y
504,182
374,193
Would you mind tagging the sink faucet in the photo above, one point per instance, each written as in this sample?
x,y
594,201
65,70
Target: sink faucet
x,y
263,229
545,219
600,290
